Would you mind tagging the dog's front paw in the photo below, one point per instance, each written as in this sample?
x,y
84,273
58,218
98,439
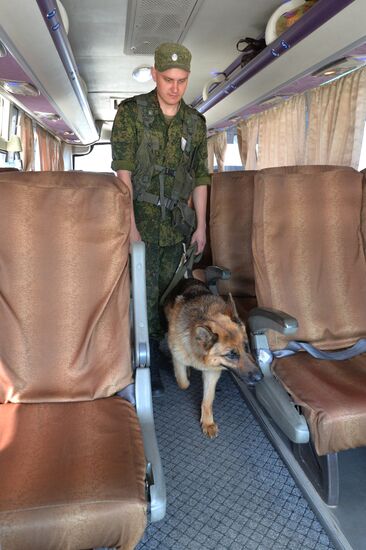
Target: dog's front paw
x,y
184,385
211,430
181,375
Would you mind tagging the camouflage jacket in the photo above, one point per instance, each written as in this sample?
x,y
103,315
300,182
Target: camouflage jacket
x,y
127,134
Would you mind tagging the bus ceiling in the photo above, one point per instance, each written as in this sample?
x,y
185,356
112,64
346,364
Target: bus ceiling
x,y
39,51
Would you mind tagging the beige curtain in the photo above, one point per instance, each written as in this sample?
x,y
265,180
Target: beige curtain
x,y
281,134
337,113
275,137
50,151
210,154
27,139
220,145
250,128
242,133
58,155
216,146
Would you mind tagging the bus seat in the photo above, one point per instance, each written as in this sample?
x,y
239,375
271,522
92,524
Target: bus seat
x,y
231,208
309,262
72,458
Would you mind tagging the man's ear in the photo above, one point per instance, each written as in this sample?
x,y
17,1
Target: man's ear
x,y
205,337
153,73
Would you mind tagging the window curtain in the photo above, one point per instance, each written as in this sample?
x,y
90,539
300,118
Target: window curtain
x,y
242,133
58,155
247,142
50,151
216,146
27,139
281,134
337,113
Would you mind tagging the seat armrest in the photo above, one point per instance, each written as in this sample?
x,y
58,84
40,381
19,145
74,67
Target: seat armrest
x,y
259,321
214,273
269,391
139,312
262,319
144,409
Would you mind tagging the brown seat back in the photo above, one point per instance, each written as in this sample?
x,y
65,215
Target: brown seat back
x,y
308,253
64,307
231,229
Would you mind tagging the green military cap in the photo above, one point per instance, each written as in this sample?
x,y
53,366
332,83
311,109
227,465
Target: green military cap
x,y
170,55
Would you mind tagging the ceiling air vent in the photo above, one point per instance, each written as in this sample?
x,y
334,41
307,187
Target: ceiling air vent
x,y
151,22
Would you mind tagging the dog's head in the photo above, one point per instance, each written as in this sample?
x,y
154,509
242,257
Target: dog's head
x,y
222,343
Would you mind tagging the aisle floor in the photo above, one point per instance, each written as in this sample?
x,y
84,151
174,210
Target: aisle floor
x,y
230,493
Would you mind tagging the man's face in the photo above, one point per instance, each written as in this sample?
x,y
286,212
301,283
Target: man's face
x,y
170,85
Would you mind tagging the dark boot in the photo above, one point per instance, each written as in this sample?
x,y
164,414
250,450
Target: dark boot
x,y
156,359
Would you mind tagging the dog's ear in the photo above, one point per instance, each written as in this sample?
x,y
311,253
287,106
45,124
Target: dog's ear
x,y
232,311
205,337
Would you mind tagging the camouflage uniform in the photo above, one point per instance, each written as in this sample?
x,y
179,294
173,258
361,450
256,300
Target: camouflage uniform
x,y
163,241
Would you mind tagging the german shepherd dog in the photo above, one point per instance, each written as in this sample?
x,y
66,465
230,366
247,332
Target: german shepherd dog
x,y
206,333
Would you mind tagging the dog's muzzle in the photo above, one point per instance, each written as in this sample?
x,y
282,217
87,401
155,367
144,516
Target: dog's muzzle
x,y
251,378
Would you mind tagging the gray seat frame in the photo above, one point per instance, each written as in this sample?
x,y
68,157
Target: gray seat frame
x,y
270,393
322,471
143,396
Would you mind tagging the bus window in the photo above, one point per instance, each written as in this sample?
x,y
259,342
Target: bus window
x,y
97,160
4,117
223,151
232,155
9,146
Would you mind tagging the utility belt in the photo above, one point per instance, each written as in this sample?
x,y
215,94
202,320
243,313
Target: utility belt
x,y
183,216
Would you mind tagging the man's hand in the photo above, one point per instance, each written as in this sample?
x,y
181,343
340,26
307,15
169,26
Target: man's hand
x,y
199,237
199,196
134,234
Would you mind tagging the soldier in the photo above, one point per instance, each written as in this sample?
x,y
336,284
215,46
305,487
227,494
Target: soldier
x,y
159,150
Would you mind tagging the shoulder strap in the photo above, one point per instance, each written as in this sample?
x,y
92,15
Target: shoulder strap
x,y
183,182
146,112
188,131
185,266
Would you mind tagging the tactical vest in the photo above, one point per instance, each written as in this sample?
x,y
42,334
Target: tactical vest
x,y
183,217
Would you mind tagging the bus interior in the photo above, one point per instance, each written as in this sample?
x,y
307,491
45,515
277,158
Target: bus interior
x,y
282,86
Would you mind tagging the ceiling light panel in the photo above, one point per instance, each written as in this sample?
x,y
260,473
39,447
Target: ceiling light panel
x,y
17,87
142,73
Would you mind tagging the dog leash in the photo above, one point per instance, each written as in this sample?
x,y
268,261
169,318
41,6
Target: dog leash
x,y
185,266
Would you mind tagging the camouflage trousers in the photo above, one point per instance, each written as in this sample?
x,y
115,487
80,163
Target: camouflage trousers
x,y
161,264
